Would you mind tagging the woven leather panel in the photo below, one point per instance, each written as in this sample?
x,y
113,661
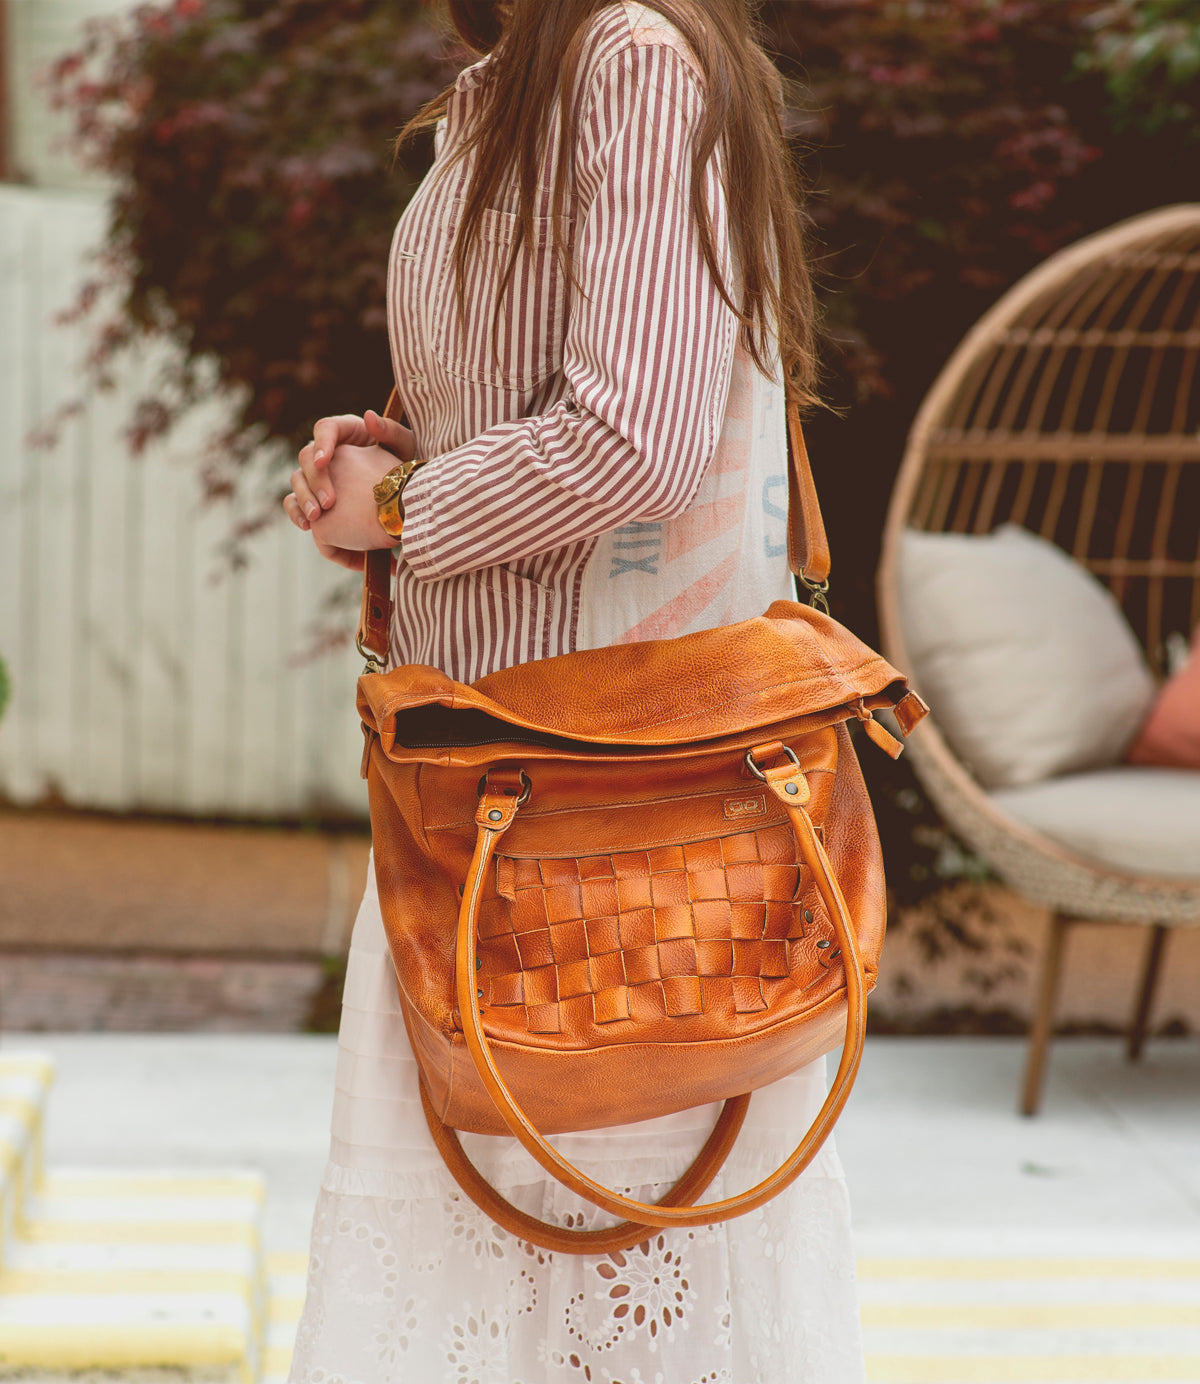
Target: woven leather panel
x,y
662,933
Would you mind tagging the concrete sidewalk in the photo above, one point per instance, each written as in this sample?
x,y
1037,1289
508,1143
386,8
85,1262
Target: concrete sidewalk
x,y
939,1160
934,1151
991,1248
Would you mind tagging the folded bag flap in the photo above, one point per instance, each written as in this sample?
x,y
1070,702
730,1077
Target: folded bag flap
x,y
790,663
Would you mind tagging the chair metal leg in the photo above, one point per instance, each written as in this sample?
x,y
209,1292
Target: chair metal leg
x,y
1043,1014
1150,973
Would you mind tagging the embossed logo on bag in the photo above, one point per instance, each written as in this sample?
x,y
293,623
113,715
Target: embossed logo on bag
x,y
738,809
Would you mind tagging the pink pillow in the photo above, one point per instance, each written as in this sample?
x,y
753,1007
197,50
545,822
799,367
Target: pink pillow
x,y
1170,735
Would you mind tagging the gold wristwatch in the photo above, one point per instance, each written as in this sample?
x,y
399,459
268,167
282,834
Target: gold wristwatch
x,y
388,493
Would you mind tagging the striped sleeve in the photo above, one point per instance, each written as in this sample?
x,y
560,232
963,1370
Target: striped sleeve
x,y
647,354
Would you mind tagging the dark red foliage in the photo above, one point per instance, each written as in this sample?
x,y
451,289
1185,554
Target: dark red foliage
x,y
251,146
951,145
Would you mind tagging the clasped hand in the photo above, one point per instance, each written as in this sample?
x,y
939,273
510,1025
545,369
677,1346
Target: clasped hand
x,y
332,486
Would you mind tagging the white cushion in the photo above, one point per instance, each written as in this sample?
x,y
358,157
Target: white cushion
x,y
1140,820
1026,660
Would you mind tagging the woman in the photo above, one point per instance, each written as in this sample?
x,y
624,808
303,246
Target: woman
x,y
587,297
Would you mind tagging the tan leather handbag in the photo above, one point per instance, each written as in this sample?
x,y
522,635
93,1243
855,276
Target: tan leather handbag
x,y
627,881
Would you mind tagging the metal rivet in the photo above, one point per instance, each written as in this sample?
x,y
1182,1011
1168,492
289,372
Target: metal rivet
x,y
479,993
791,788
461,890
495,814
479,963
808,915
823,943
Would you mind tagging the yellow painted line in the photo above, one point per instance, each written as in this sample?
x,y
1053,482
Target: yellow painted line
x,y
128,1233
281,1263
23,1107
1028,1267
53,1282
283,1310
16,1064
121,1347
277,1360
130,1185
10,1156
1030,1369
987,1316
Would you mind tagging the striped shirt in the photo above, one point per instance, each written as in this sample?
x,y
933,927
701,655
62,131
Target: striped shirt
x,y
610,465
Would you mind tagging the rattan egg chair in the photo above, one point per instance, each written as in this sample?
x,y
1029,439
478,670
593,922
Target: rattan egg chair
x,y
1072,409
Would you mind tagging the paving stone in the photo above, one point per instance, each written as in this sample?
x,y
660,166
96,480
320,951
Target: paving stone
x,y
72,993
87,883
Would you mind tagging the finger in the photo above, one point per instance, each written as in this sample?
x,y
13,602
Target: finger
x,y
291,507
331,433
344,557
319,487
392,436
309,504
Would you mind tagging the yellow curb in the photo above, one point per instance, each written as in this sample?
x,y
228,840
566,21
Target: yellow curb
x,y
1031,1369
55,1282
120,1347
277,1360
1028,1267
22,1106
19,1064
283,1311
184,1185
126,1233
1016,1316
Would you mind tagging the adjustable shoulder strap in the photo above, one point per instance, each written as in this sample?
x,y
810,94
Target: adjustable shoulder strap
x,y
808,547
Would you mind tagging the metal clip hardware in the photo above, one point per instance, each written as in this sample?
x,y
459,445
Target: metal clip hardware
x,y
373,663
818,592
526,787
758,773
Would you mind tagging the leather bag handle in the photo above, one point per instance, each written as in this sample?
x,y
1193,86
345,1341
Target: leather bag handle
x,y
607,1239
496,812
807,545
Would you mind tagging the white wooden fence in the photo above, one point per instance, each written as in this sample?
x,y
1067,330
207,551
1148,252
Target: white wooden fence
x,y
146,675
39,32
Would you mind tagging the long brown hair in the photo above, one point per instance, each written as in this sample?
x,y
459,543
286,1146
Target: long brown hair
x,y
535,48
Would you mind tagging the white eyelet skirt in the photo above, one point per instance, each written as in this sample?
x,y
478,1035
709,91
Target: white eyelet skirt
x,y
409,1281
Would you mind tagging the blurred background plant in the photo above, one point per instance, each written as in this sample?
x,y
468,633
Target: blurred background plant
x,y
254,200
1149,53
949,145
